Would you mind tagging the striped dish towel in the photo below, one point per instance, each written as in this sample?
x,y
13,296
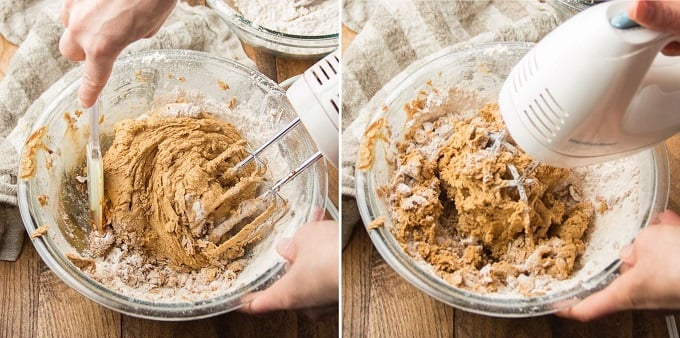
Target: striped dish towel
x,y
394,34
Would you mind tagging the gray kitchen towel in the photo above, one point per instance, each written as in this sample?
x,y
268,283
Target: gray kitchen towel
x,y
34,26
396,33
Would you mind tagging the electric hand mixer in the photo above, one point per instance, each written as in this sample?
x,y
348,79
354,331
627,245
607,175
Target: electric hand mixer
x,y
594,89
314,97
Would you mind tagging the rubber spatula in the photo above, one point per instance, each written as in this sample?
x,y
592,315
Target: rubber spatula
x,y
95,171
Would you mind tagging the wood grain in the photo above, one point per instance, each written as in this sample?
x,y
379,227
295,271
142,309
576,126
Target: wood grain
x,y
286,68
392,297
346,37
195,2
356,285
265,62
276,67
673,146
7,49
136,327
63,312
19,294
379,303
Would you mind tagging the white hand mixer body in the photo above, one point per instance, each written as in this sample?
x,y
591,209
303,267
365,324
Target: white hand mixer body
x,y
315,97
594,89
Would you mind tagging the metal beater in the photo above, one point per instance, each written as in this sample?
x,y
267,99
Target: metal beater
x,y
315,97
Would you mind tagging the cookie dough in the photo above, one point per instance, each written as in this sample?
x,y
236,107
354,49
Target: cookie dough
x,y
40,231
477,208
28,164
172,188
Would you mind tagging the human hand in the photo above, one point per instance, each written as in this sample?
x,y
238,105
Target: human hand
x,y
648,280
98,30
663,16
311,280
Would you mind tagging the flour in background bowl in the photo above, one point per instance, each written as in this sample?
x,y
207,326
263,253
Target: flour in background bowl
x,y
298,17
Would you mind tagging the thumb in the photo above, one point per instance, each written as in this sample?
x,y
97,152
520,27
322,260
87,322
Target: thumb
x,y
668,217
274,297
96,74
613,298
317,214
658,15
672,49
286,248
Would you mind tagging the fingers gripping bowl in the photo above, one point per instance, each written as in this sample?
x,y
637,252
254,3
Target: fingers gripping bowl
x,y
447,232
193,87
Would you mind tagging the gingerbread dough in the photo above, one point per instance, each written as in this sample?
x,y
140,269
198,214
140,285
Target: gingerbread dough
x,y
173,190
460,208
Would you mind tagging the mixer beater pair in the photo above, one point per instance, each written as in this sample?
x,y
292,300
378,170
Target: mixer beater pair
x,y
315,98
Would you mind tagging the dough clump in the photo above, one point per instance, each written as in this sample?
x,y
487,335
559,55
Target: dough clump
x,y
478,209
173,190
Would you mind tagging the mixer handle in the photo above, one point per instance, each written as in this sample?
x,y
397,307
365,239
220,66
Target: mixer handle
x,y
655,109
316,97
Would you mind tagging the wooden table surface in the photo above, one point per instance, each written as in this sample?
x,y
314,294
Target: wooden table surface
x,y
377,302
34,302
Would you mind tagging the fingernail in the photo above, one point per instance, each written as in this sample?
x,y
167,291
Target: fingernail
x,y
246,304
82,104
626,252
284,244
247,299
317,214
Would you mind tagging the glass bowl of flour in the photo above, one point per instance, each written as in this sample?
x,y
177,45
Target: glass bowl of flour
x,y
471,220
130,266
289,28
574,6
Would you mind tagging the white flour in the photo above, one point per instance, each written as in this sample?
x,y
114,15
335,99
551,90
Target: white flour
x,y
134,274
298,17
617,184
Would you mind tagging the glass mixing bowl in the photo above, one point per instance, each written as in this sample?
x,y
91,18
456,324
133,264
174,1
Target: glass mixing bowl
x,y
276,43
576,6
483,70
138,83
